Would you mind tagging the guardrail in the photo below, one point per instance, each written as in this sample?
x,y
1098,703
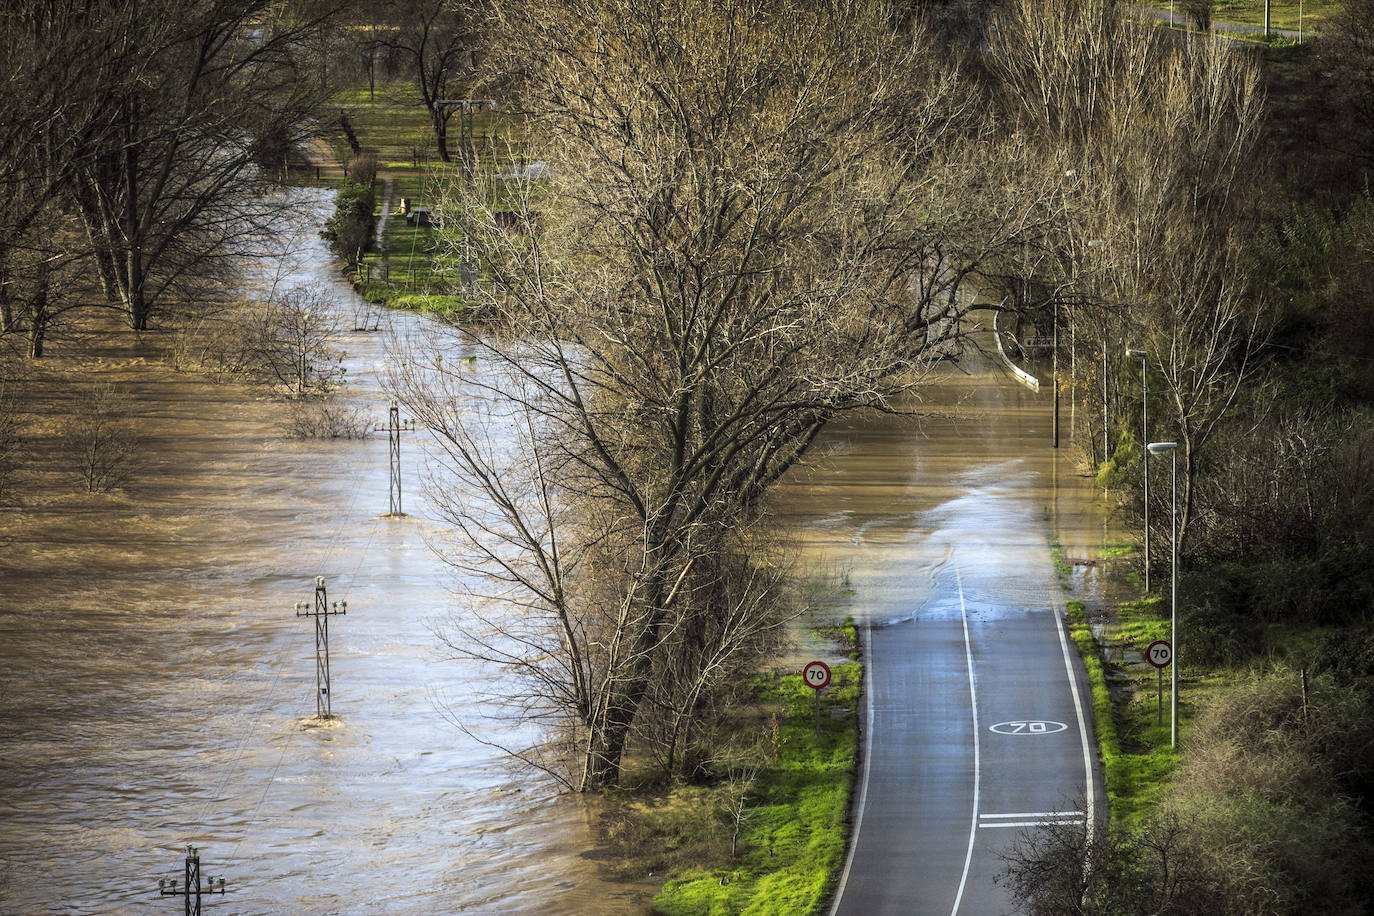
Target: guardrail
x,y
1022,375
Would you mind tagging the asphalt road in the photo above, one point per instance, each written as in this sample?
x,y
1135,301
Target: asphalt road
x,y
979,723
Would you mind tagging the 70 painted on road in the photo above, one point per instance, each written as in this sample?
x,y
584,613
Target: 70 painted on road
x,y
1028,727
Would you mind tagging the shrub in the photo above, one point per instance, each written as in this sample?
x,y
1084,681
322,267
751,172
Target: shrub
x,y
350,229
103,445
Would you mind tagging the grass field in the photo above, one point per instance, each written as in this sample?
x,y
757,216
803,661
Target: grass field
x,y
767,834
407,270
1283,14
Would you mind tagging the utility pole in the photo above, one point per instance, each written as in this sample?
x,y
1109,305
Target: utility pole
x,y
190,887
321,612
1054,372
394,427
1105,456
467,154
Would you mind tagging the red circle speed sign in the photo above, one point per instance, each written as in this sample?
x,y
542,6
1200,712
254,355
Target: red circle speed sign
x,y
816,675
1159,653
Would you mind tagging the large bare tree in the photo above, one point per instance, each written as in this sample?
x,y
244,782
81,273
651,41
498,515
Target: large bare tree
x,y
437,39
759,218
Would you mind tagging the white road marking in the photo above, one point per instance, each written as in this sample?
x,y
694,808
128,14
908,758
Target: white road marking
x,y
977,762
1031,819
863,784
1089,790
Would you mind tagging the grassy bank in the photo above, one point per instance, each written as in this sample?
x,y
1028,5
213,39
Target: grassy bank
x,y
768,834
405,270
1137,760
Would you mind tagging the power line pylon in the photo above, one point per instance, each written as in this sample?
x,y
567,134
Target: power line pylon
x,y
190,888
321,612
394,427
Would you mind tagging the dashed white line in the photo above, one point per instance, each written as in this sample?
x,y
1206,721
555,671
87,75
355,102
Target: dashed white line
x,y
977,761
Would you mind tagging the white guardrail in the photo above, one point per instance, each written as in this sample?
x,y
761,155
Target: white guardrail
x,y
1022,375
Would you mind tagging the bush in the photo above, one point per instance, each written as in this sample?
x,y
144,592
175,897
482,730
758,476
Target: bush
x,y
349,231
325,417
1275,779
104,446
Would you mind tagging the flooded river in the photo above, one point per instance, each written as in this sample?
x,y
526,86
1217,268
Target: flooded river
x,y
157,687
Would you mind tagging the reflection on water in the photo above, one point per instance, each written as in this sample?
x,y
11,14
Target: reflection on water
x,y
973,473
156,683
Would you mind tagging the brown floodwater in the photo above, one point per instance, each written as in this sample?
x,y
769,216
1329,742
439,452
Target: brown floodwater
x,y
156,687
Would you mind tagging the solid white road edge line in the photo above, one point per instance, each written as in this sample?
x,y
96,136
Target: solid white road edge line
x,y
977,762
1088,782
863,783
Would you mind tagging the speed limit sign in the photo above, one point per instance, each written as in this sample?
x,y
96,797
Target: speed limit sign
x,y
1159,653
816,675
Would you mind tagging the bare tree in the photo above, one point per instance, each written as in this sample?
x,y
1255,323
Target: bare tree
x,y
103,443
438,39
756,222
170,191
1152,869
290,341
1154,139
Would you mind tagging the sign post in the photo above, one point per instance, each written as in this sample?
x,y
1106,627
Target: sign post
x,y
816,675
1159,653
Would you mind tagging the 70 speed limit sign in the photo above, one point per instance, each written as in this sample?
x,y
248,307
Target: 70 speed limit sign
x,y
816,675
1159,653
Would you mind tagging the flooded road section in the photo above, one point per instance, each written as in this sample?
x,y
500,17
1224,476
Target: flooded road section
x,y
881,514
156,687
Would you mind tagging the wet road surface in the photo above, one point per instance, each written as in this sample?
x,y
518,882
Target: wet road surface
x,y
976,727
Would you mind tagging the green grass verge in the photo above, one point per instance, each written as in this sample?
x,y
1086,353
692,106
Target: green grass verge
x,y
1136,763
793,841
795,824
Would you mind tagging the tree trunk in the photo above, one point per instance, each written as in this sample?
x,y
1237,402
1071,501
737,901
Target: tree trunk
x,y
38,313
6,303
441,134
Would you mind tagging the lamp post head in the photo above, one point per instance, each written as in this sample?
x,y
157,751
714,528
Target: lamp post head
x,y
1159,448
1135,354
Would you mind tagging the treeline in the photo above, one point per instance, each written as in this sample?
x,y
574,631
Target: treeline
x,y
137,143
1222,234
141,144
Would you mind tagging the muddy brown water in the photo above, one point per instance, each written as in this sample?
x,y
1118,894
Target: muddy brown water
x,y
156,687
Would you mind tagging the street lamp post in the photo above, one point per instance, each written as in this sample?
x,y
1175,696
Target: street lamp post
x,y
1159,448
1144,437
